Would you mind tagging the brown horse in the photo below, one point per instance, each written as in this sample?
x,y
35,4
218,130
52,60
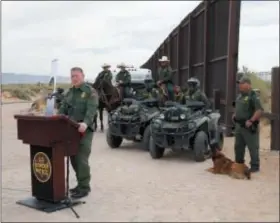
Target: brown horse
x,y
109,98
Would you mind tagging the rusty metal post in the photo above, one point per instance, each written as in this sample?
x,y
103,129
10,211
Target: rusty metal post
x,y
190,46
179,59
206,39
216,99
169,47
275,109
233,27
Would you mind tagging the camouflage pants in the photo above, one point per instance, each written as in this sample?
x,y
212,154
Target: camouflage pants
x,y
170,91
126,92
244,137
80,162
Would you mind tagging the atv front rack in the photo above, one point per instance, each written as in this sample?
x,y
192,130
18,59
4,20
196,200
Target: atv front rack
x,y
129,127
173,137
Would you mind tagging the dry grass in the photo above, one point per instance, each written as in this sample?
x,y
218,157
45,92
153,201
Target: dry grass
x,y
26,92
265,91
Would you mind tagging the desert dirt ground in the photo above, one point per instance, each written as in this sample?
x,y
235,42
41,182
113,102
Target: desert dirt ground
x,y
128,185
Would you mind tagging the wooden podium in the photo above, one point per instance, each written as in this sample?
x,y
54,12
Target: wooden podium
x,y
50,139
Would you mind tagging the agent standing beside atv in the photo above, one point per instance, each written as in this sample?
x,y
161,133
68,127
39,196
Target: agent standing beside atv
x,y
194,92
165,77
248,110
123,78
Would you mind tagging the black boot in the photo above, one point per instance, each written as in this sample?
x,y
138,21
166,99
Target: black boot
x,y
254,169
102,127
73,190
80,194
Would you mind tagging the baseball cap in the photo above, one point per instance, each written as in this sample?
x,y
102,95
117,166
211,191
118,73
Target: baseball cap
x,y
243,80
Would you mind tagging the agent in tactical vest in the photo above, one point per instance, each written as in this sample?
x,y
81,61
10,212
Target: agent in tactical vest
x,y
248,110
165,77
105,75
123,78
194,92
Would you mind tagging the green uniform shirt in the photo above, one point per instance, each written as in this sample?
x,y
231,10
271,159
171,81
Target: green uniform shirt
x,y
80,104
165,74
124,76
105,75
246,105
198,95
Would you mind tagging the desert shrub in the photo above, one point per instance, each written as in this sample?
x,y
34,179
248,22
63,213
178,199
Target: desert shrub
x,y
27,91
265,91
20,94
263,86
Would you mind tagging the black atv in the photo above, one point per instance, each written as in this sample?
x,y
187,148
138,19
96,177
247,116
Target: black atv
x,y
185,127
131,121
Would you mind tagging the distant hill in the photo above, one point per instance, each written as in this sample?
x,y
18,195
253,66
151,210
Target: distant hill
x,y
12,78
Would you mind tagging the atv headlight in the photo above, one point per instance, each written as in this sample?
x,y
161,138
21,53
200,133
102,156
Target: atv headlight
x,y
182,116
114,116
156,123
191,125
161,116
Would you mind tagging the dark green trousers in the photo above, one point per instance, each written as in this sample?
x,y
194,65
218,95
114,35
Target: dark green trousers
x,y
80,162
126,92
244,137
170,91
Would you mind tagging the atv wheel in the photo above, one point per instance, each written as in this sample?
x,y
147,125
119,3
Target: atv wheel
x,y
113,141
200,147
156,152
146,138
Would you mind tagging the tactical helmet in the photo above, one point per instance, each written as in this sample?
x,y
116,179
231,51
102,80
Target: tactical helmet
x,y
194,81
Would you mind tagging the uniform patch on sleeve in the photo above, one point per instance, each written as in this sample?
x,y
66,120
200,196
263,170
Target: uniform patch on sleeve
x,y
83,95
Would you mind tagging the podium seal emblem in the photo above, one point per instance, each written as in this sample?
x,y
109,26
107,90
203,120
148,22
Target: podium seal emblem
x,y
42,167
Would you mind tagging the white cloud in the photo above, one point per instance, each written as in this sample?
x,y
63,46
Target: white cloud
x,y
88,34
259,35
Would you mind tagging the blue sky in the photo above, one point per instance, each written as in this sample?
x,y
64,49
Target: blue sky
x,y
88,34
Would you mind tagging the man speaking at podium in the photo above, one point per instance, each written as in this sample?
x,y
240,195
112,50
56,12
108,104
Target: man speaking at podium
x,y
80,104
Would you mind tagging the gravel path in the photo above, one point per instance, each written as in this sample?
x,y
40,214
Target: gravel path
x,y
127,185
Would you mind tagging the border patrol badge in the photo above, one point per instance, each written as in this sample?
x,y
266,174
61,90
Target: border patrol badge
x,y
42,167
83,95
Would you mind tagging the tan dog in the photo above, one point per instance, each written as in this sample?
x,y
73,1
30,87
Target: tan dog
x,y
223,165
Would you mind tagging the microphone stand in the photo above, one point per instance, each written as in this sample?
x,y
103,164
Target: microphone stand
x,y
68,200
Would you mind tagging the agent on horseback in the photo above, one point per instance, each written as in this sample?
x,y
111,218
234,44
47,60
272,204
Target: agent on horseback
x,y
123,79
105,75
165,77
